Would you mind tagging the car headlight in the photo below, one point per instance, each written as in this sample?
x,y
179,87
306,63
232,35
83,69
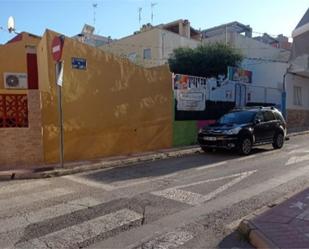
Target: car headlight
x,y
233,131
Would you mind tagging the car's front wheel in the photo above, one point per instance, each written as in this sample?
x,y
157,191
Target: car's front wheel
x,y
245,146
278,141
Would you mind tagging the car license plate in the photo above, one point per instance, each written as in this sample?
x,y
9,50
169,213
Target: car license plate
x,y
210,138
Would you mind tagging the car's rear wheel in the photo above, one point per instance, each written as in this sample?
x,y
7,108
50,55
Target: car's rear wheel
x,y
245,146
278,141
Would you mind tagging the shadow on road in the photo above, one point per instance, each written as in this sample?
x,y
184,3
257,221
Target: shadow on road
x,y
164,167
234,240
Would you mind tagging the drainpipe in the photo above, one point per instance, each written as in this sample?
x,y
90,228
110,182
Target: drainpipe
x,y
283,97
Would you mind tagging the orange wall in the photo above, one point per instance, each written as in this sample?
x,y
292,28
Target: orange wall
x,y
13,56
114,107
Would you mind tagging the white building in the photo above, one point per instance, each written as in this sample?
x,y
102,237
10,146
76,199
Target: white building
x,y
267,63
297,77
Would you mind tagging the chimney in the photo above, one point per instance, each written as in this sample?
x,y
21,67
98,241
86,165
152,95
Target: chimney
x,y
184,28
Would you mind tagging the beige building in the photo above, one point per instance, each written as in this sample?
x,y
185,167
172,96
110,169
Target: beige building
x,y
152,45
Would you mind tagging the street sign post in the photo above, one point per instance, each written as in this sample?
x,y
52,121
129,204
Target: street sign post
x,y
57,46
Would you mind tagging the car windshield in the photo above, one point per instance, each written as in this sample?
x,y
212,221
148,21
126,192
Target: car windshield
x,y
242,117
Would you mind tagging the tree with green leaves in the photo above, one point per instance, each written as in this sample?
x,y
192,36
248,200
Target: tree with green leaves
x,y
206,61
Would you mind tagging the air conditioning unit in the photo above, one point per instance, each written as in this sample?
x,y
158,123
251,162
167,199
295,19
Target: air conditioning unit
x,y
15,81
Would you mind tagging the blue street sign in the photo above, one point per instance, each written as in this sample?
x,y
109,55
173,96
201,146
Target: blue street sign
x,y
79,63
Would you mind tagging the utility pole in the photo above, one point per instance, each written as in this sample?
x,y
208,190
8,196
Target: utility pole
x,y
152,5
94,5
225,34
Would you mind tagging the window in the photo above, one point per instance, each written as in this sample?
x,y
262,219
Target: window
x,y
147,54
268,116
297,95
241,117
278,116
259,116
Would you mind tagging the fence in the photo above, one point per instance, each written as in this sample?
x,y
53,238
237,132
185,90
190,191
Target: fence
x,y
13,110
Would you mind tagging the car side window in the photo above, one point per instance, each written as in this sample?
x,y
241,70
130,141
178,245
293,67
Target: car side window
x,y
279,116
268,116
259,116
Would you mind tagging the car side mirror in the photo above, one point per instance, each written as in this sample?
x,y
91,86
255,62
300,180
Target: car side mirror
x,y
257,121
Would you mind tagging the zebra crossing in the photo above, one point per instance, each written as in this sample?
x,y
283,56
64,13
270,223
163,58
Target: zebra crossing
x,y
58,216
14,228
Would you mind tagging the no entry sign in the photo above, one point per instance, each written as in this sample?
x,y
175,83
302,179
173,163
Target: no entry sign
x,y
57,45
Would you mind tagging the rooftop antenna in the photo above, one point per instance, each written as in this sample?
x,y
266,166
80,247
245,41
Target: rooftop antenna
x,y
94,5
140,15
152,5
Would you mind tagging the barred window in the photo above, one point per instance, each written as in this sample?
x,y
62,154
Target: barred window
x,y
297,95
13,110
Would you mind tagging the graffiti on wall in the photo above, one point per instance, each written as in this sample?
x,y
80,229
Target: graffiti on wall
x,y
190,92
239,75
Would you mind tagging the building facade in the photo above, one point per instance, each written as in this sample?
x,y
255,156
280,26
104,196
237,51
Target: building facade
x,y
153,45
297,77
87,36
267,63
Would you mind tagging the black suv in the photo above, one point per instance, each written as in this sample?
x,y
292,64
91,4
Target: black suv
x,y
244,128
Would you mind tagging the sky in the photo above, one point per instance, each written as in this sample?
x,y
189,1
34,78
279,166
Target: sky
x,y
119,18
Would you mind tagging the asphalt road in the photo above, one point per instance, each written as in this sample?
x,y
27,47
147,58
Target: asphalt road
x,y
191,202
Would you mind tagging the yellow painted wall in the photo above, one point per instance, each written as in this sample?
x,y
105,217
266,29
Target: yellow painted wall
x,y
112,108
13,58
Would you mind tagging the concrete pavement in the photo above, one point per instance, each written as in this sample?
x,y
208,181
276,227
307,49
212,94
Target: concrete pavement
x,y
194,201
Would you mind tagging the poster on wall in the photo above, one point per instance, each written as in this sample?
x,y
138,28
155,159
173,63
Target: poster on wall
x,y
189,92
239,74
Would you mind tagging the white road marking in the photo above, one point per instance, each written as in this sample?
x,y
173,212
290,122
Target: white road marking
x,y
246,158
298,204
181,196
13,188
71,237
304,215
168,241
23,221
23,200
122,184
89,183
226,186
191,198
297,159
213,165
299,151
135,182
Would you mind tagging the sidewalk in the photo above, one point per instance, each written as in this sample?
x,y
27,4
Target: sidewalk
x,y
283,226
53,170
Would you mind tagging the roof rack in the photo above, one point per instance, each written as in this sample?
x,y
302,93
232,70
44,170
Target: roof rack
x,y
254,107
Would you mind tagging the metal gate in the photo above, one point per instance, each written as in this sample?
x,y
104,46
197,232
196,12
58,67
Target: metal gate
x,y
240,95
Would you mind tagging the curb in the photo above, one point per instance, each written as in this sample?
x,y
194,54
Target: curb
x,y
294,134
254,235
32,174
